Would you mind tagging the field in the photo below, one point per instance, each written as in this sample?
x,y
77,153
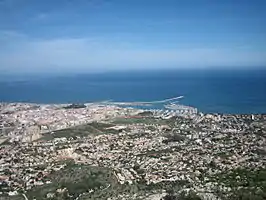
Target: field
x,y
98,128
94,128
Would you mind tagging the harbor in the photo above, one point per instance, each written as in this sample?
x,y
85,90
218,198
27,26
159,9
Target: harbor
x,y
170,105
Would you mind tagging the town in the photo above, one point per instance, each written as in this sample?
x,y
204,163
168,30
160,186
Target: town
x,y
96,151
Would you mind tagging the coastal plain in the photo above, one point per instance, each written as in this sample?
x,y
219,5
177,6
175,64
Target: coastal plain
x,y
96,151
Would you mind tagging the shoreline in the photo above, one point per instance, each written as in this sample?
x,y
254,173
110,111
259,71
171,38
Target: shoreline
x,y
126,104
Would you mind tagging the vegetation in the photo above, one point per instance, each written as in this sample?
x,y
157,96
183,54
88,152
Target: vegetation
x,y
75,106
143,120
182,196
72,181
174,138
94,128
246,184
146,113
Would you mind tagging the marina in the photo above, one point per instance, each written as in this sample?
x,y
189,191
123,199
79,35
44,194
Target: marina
x,y
170,105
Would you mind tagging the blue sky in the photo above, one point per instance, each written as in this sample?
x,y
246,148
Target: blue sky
x,y
99,35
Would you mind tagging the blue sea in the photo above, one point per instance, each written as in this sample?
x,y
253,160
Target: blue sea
x,y
223,91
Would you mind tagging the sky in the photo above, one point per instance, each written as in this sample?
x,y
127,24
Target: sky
x,y
56,36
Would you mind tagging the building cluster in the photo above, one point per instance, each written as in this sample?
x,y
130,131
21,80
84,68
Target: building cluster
x,y
187,149
26,122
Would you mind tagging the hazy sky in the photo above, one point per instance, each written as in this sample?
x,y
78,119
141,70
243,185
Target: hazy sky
x,y
98,35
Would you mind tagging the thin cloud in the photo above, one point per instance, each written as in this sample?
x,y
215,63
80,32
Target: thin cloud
x,y
92,54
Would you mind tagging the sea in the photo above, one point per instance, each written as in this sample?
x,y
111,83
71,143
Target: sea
x,y
211,91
